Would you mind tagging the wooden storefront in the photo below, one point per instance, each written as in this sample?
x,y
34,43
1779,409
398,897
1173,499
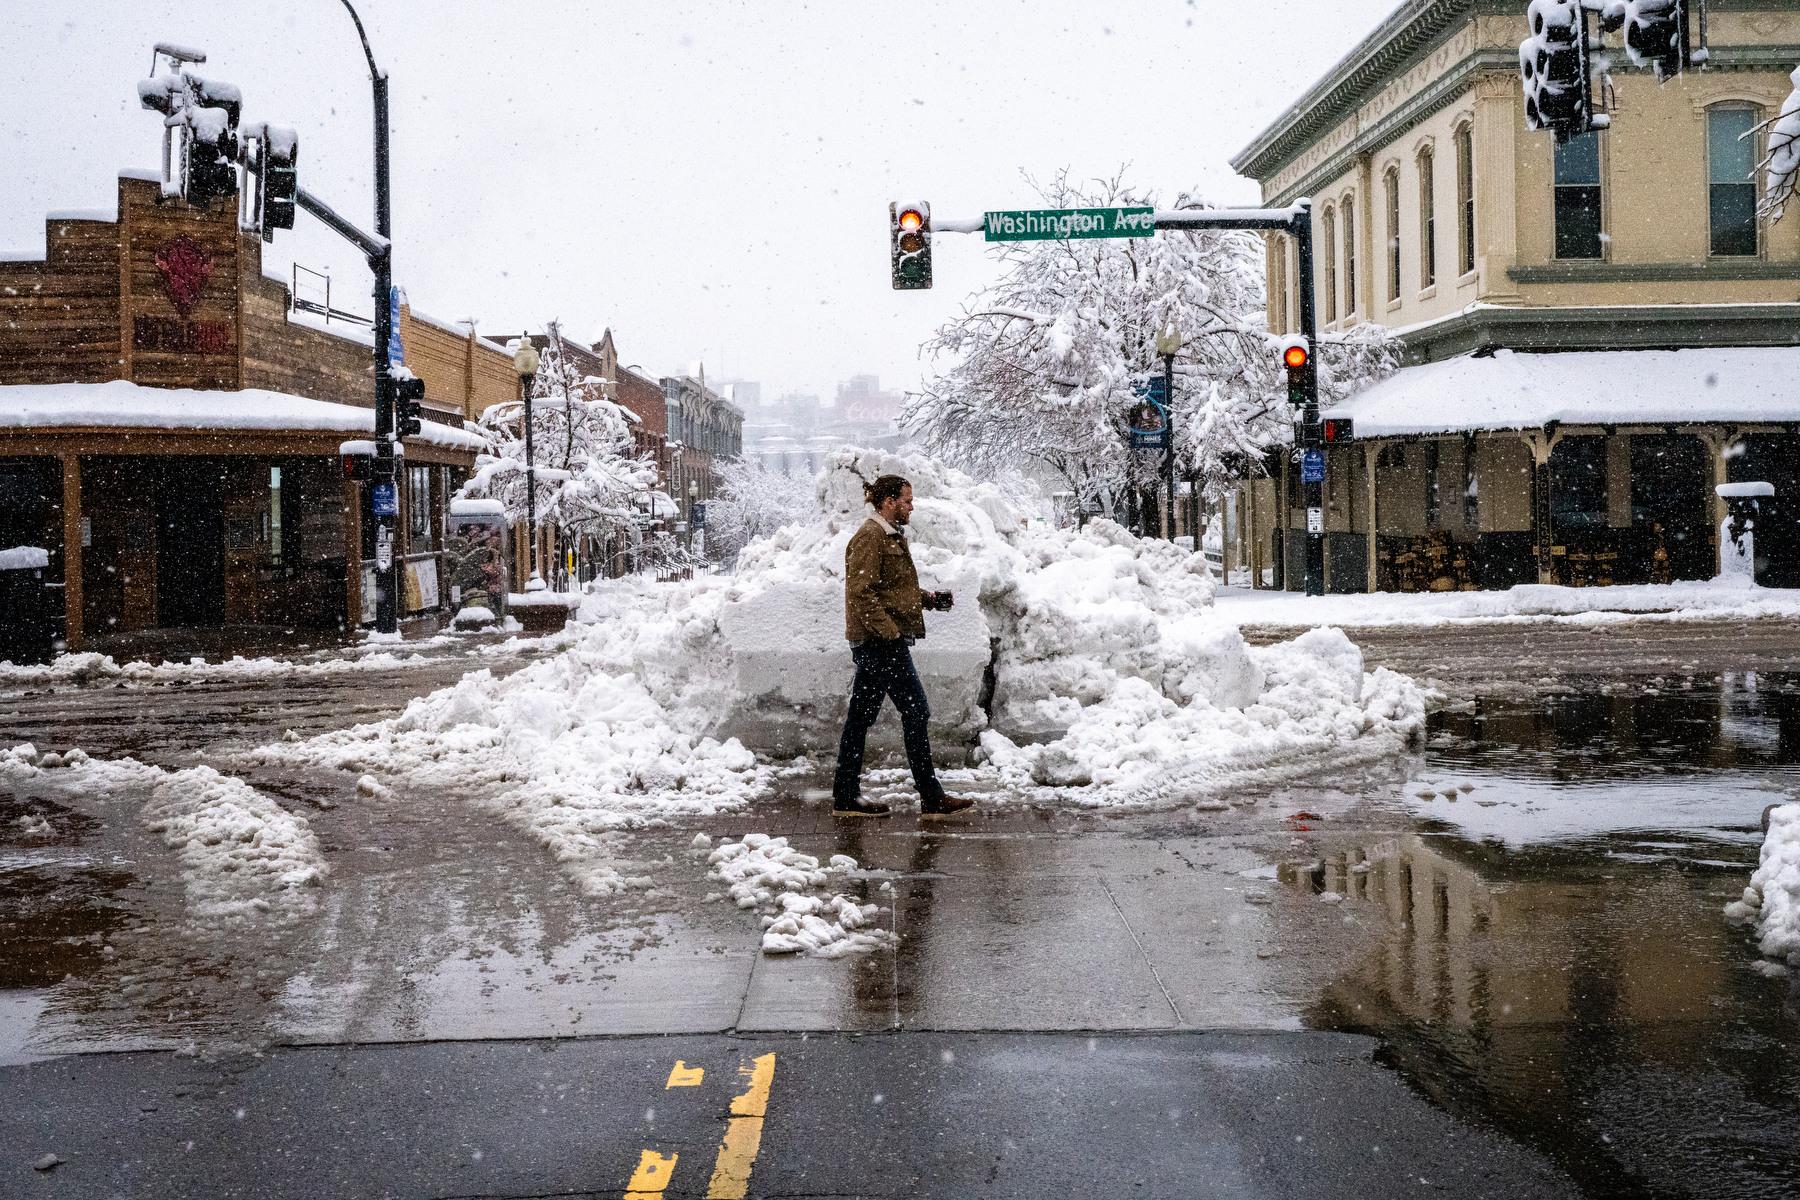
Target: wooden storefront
x,y
170,432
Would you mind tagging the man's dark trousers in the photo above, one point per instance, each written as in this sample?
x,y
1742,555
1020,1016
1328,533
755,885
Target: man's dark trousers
x,y
885,668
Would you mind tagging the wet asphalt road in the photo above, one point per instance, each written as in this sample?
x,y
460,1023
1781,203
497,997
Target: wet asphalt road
x,y
1228,1115
1531,977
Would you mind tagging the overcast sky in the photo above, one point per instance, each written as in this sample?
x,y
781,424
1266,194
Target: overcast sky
x,y
710,180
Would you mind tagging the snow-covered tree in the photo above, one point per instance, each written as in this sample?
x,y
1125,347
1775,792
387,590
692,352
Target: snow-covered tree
x,y
1781,166
753,503
587,466
1043,364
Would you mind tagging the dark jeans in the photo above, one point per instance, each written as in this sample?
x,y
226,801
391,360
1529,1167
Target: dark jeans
x,y
885,669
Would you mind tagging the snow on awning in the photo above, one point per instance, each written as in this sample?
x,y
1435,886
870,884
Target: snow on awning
x,y
1509,390
123,405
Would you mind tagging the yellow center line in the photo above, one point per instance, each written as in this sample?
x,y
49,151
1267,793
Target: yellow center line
x,y
743,1134
652,1175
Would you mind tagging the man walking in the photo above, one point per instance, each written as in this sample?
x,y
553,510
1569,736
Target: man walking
x,y
883,615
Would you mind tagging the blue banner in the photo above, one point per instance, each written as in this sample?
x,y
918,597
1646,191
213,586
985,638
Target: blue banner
x,y
1312,466
396,353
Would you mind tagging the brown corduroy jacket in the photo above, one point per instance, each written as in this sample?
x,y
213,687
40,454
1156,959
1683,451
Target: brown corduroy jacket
x,y
881,587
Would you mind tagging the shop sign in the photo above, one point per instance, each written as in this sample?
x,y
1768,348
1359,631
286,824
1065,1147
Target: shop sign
x,y
179,336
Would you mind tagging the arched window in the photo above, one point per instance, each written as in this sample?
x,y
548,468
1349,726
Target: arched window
x,y
1391,183
1427,219
1329,228
1731,180
1465,201
1348,208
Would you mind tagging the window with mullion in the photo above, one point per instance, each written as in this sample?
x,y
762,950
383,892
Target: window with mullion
x,y
1393,233
1330,281
1348,208
1578,232
1465,201
1731,181
1427,220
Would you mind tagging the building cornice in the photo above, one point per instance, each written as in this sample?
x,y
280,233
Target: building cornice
x,y
1415,29
1412,27
1722,270
1603,327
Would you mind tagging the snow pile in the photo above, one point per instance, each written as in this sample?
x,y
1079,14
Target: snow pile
x,y
1101,646
91,667
241,853
607,736
24,558
766,874
1772,900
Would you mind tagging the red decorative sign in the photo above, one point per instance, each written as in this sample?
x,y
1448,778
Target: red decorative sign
x,y
185,266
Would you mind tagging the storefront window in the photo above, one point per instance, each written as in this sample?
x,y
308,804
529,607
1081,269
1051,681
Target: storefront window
x,y
420,525
275,514
1578,483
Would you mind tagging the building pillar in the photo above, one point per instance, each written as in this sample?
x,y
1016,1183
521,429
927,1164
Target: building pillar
x,y
1282,517
75,635
1372,454
1542,533
1716,440
353,598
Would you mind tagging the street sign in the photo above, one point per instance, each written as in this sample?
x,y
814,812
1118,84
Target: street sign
x,y
386,500
1312,466
1315,520
1063,224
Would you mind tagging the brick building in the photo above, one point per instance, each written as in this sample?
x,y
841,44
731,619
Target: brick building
x,y
170,431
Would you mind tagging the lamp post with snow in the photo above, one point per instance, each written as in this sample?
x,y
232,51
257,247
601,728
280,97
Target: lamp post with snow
x,y
1168,345
525,363
693,499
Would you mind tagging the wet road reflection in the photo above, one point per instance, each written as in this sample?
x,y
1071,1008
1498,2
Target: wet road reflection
x,y
1572,979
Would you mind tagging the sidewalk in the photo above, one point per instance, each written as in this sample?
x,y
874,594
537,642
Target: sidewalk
x,y
1712,600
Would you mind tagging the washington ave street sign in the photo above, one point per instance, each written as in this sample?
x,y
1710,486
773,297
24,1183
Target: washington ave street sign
x,y
1059,224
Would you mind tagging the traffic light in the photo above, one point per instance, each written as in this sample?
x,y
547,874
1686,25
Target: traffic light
x,y
408,393
1339,429
281,178
1553,70
357,467
1656,35
910,227
212,149
1295,358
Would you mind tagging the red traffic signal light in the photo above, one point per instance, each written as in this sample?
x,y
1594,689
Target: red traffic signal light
x,y
1339,429
1295,358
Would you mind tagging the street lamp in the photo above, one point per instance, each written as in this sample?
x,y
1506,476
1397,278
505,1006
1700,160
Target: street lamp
x,y
1168,345
525,362
693,498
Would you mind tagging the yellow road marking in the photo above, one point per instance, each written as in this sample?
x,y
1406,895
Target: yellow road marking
x,y
743,1134
651,1177
685,1076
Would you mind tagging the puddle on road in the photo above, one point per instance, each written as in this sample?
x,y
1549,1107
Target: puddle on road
x,y
1556,961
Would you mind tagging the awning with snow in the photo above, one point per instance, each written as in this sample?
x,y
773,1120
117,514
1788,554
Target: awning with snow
x,y
1508,390
128,406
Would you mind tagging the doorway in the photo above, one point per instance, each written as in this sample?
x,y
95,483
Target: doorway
x,y
1671,508
190,544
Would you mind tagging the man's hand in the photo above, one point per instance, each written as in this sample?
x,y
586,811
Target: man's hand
x,y
939,601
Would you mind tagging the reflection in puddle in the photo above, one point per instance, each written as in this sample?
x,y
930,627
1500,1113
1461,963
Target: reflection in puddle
x,y
1556,962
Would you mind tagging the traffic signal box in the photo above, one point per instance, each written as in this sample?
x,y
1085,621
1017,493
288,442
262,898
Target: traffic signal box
x,y
409,394
281,178
1338,429
1295,358
909,227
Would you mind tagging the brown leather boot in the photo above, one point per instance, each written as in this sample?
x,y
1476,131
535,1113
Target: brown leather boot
x,y
856,806
944,806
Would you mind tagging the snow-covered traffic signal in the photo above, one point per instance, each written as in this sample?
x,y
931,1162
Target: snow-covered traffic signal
x,y
1554,70
909,227
1656,35
281,178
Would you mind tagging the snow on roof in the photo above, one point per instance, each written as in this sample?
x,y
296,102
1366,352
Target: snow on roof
x,y
123,405
24,558
1511,390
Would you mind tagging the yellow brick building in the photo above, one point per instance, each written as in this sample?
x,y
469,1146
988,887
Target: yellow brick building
x,y
1596,335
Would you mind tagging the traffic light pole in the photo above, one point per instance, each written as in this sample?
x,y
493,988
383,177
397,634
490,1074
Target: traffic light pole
x,y
387,441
